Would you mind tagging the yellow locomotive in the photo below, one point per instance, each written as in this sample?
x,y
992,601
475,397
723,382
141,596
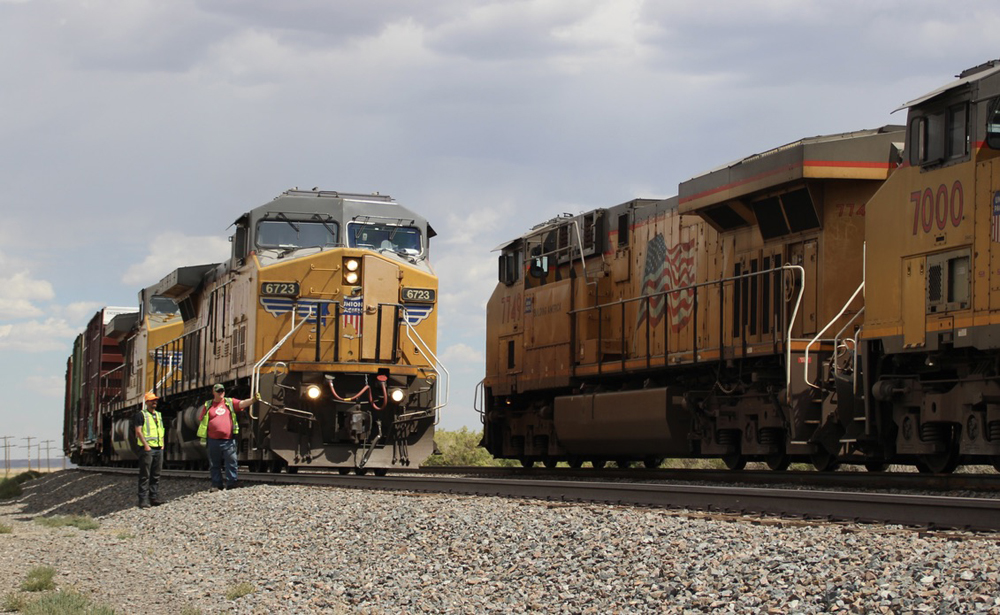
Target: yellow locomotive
x,y
669,328
326,308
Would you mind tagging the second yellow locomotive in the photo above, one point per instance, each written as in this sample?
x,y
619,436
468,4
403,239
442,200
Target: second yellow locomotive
x,y
326,308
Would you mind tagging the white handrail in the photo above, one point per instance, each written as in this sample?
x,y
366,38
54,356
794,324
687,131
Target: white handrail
x,y
423,347
255,379
788,337
805,370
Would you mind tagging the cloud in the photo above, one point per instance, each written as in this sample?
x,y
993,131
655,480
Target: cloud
x,y
462,358
19,291
37,336
171,250
46,386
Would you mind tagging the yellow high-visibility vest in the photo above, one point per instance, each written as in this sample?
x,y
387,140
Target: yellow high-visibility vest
x,y
152,428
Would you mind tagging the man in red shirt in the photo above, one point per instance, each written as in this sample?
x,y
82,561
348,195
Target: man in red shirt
x,y
218,425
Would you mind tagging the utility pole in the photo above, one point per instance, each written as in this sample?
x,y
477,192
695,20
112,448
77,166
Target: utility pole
x,y
29,439
48,466
6,454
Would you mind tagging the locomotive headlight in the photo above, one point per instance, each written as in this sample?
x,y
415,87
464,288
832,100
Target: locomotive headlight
x,y
313,391
397,395
351,264
351,277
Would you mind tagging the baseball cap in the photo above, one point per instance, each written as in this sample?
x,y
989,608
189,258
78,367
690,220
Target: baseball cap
x,y
219,387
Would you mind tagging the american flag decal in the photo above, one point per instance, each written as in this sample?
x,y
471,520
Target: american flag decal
x,y
667,268
995,223
354,308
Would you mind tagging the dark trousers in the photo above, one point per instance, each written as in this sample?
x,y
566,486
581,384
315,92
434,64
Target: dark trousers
x,y
150,464
222,456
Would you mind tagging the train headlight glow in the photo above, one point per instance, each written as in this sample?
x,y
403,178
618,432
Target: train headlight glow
x,y
313,391
351,276
351,264
397,395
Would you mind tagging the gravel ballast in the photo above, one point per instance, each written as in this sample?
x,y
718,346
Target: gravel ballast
x,y
317,549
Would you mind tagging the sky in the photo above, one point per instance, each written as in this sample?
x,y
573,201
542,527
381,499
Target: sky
x,y
134,132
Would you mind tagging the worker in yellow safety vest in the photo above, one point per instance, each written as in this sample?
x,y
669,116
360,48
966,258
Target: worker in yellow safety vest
x,y
149,432
217,429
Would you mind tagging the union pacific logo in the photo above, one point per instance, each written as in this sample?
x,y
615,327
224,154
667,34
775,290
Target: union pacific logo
x,y
279,306
416,314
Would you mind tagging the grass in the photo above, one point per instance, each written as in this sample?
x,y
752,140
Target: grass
x,y
83,522
10,488
13,603
124,535
39,579
5,529
64,603
24,477
239,590
190,610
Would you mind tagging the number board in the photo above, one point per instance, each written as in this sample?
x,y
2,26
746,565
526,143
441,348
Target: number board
x,y
279,289
418,295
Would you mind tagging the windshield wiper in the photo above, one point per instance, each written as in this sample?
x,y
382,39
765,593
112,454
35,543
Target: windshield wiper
x,y
333,231
281,216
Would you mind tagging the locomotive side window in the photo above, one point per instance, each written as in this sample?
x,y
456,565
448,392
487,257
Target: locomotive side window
x,y
510,267
917,140
993,124
958,131
622,230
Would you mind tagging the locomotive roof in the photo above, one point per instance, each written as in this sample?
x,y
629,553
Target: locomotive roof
x,y
564,218
965,79
861,154
341,206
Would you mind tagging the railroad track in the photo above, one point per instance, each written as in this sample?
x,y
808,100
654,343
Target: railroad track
x,y
927,511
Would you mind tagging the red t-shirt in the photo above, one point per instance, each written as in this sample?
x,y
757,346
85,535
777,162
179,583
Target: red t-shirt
x,y
220,423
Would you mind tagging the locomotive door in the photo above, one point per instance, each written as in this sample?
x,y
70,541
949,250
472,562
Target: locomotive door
x,y
804,254
381,293
914,302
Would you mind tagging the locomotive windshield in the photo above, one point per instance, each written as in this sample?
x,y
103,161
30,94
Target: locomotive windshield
x,y
400,239
286,234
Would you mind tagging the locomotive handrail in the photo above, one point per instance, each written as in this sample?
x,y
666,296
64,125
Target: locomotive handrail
x,y
805,369
479,395
255,377
423,347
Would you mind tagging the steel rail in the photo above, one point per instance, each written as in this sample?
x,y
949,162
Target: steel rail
x,y
930,511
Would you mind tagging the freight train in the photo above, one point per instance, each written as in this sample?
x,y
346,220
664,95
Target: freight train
x,y
326,308
834,300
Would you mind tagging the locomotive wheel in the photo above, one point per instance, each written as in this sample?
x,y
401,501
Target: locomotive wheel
x,y
527,463
824,461
576,463
292,469
598,463
343,471
624,464
652,462
361,471
734,462
938,463
876,466
381,471
779,462
550,463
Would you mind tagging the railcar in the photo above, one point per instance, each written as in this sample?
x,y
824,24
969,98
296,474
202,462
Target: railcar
x,y
326,308
695,326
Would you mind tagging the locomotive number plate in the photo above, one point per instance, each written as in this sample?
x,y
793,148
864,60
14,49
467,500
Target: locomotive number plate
x,y
279,289
418,295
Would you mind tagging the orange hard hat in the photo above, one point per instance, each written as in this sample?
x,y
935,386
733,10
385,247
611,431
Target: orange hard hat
x,y
151,396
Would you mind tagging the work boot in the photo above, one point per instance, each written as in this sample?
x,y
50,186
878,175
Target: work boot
x,y
155,502
143,503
